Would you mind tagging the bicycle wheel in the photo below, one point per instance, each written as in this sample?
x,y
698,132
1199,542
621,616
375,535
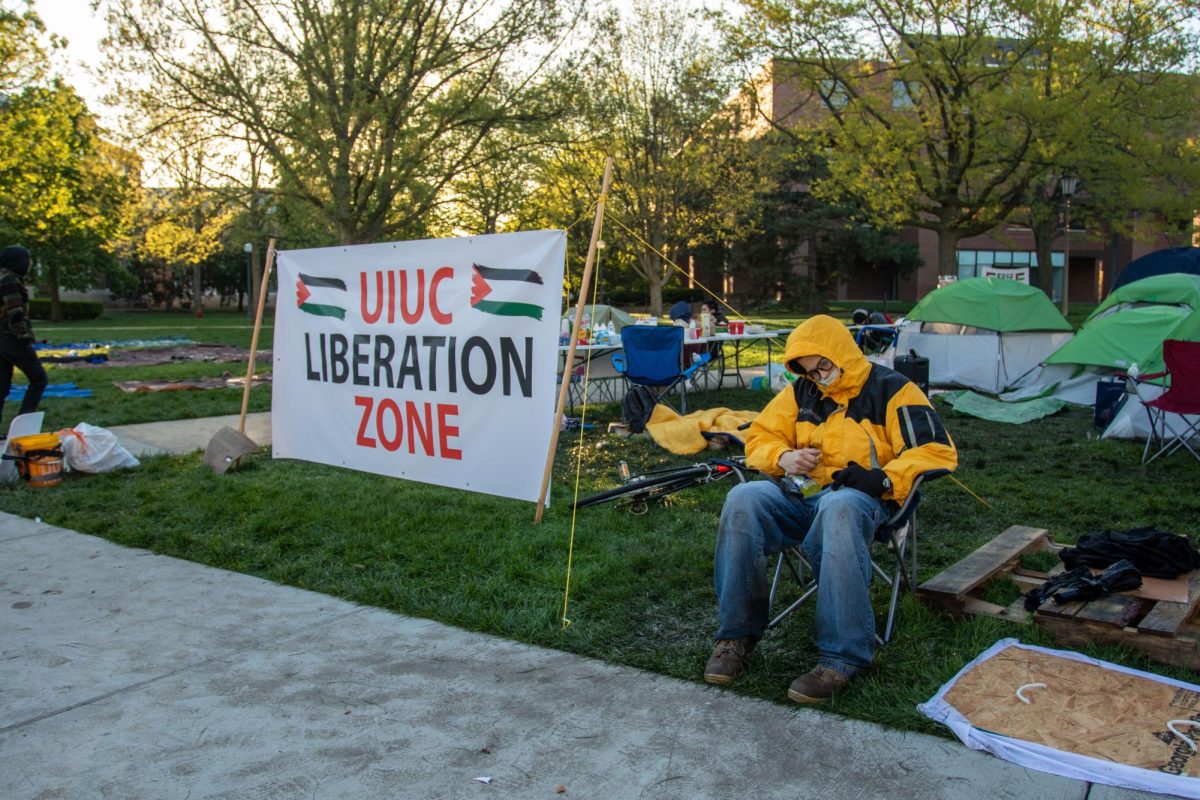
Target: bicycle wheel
x,y
646,484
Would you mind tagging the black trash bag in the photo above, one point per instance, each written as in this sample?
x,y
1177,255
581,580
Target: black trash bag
x,y
1080,584
1156,554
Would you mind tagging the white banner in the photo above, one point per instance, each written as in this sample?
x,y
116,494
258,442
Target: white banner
x,y
432,361
1009,273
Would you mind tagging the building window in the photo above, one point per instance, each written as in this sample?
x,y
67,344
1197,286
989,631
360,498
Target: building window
x,y
971,264
834,93
905,94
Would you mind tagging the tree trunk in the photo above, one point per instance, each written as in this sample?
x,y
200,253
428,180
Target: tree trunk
x,y
197,289
656,300
948,252
168,289
1043,240
56,314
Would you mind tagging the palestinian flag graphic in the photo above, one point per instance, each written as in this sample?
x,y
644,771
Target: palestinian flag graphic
x,y
506,292
318,296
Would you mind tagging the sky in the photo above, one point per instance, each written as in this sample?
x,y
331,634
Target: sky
x,y
83,29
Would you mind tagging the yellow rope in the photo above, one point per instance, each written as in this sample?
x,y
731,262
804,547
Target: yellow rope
x,y
568,370
967,489
673,265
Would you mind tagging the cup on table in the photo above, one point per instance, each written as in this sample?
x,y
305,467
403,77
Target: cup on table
x,y
737,327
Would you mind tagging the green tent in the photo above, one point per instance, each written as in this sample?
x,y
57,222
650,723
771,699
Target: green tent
x,y
997,304
1172,289
1130,336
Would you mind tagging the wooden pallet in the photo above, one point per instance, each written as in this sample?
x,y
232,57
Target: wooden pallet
x,y
1162,628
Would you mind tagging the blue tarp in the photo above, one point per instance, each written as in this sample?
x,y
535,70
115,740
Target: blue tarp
x,y
17,392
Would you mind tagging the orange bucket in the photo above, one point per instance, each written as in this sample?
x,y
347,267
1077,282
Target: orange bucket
x,y
39,459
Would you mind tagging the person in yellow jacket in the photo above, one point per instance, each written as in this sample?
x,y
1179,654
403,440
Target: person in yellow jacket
x,y
861,431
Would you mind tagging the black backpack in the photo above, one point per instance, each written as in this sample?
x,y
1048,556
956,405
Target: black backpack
x,y
637,406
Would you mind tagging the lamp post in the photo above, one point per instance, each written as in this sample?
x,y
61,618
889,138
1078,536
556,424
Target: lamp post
x,y
1067,185
248,248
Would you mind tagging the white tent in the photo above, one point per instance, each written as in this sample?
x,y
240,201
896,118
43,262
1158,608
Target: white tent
x,y
977,358
983,333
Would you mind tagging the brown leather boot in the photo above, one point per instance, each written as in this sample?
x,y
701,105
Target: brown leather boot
x,y
728,659
818,686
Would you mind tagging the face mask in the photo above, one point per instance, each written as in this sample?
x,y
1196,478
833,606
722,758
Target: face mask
x,y
834,374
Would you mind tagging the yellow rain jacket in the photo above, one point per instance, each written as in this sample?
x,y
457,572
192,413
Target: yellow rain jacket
x,y
869,414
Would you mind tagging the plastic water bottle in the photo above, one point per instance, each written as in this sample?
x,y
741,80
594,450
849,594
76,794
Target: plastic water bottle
x,y
801,485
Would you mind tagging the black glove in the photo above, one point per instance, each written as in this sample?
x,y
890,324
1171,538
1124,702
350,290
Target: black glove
x,y
869,481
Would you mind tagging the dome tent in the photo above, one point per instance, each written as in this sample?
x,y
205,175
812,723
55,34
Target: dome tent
x,y
983,333
1170,289
1184,260
1131,336
1111,344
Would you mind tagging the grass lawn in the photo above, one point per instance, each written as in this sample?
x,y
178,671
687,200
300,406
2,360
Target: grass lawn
x,y
641,589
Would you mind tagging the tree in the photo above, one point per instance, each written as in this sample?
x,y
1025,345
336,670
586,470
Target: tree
x,y
938,112
23,58
364,109
677,181
1129,138
68,193
786,219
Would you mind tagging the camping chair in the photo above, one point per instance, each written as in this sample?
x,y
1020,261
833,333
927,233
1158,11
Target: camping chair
x,y
900,535
1181,398
875,339
652,356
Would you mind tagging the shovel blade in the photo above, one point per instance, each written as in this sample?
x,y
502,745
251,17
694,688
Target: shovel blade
x,y
226,447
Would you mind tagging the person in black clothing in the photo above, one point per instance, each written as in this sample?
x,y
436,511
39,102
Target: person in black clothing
x,y
714,308
16,332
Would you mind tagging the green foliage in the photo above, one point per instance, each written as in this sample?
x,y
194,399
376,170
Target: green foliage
x,y
364,110
39,308
946,116
654,89
67,192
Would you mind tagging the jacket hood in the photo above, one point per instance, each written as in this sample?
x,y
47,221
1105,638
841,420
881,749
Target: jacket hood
x,y
825,336
15,258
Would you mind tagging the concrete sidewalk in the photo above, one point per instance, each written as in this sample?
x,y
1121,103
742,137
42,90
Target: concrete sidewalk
x,y
127,674
183,436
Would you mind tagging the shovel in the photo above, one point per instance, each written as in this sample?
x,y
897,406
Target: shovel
x,y
227,445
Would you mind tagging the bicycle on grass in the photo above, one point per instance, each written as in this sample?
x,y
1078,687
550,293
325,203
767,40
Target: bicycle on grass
x,y
638,491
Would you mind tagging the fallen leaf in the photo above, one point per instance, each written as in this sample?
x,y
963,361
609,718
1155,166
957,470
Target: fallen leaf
x,y
561,789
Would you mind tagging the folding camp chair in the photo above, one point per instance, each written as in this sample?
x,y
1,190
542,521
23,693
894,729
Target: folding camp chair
x,y
899,533
652,356
1174,414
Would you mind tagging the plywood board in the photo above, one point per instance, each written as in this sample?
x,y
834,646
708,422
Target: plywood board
x,y
1084,709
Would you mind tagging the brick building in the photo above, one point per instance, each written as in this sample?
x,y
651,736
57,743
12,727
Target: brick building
x,y
1096,256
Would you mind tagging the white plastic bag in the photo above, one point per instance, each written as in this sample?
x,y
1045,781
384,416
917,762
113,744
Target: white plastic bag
x,y
89,448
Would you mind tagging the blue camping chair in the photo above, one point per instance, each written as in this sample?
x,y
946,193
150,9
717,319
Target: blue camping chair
x,y
652,356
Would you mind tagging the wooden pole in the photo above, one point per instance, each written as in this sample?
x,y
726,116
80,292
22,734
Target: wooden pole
x,y
570,361
258,316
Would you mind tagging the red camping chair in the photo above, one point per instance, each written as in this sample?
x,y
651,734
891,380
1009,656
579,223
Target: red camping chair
x,y
1182,397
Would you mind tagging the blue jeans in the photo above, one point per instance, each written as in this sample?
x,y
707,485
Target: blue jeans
x,y
835,529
